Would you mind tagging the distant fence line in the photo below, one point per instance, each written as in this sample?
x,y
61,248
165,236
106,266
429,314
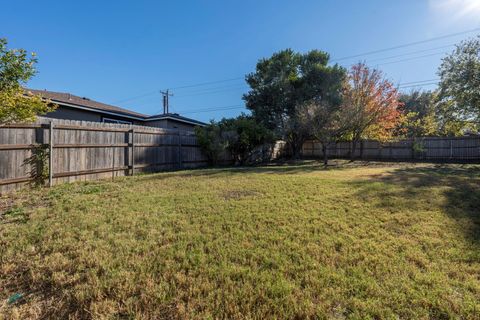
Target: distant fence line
x,y
444,149
83,150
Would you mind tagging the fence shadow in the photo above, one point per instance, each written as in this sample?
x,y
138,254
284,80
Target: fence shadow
x,y
459,187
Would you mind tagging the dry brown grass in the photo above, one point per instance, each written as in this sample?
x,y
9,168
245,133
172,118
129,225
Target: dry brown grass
x,y
359,241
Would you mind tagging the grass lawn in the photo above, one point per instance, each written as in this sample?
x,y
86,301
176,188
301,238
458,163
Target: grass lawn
x,y
355,241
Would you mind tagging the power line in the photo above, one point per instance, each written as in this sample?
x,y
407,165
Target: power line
x,y
412,82
211,88
410,59
136,97
210,92
406,45
210,109
339,59
207,83
409,53
418,85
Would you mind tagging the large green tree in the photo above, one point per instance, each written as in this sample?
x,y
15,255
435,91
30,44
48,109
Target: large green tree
x,y
16,104
286,81
460,81
420,114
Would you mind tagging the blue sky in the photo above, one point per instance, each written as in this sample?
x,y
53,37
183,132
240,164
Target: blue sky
x,y
113,51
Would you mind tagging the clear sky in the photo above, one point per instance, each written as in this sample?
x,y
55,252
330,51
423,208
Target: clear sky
x,y
113,51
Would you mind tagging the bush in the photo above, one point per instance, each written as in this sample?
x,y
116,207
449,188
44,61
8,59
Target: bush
x,y
212,141
244,135
240,136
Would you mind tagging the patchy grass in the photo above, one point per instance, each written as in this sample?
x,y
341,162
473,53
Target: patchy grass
x,y
362,241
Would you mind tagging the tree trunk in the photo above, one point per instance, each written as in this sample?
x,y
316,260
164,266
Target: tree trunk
x,y
325,156
354,148
296,145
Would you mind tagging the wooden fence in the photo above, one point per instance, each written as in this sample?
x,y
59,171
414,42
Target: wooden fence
x,y
442,149
83,150
79,150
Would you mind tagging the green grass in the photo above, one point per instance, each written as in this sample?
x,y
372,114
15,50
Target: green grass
x,y
362,241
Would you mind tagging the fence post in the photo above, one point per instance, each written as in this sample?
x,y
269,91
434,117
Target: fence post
x,y
361,149
50,155
413,148
113,162
132,151
451,148
179,150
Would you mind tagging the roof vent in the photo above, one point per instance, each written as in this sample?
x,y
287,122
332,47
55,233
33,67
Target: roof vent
x,y
85,98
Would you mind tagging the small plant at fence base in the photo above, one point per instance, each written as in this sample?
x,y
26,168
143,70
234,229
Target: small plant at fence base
x,y
418,148
38,163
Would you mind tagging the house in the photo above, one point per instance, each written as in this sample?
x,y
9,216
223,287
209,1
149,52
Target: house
x,y
71,107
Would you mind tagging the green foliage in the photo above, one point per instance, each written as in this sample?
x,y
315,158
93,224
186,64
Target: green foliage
x,y
460,80
418,147
16,105
284,82
240,136
244,135
212,141
38,164
451,123
420,114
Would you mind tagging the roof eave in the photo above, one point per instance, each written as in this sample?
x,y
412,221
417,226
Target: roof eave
x,y
144,119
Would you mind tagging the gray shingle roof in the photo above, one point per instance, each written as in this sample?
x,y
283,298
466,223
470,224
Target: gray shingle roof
x,y
73,100
83,102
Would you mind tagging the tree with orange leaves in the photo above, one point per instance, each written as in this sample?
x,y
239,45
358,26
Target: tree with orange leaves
x,y
371,105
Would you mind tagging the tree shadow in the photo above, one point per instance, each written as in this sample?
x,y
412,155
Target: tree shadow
x,y
457,186
279,168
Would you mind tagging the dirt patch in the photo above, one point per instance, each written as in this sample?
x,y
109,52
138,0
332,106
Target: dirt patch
x,y
238,194
5,204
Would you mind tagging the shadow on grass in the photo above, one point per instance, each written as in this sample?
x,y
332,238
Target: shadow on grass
x,y
417,187
279,168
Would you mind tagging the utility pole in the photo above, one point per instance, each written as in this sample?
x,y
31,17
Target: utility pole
x,y
165,95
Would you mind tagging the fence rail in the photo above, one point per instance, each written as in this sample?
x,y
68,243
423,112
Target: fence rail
x,y
80,150
444,149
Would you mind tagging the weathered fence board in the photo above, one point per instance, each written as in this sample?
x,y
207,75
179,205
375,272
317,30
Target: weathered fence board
x,y
87,150
446,149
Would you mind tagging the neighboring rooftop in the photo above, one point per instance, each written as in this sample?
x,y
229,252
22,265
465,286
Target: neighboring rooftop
x,y
83,102
174,116
69,98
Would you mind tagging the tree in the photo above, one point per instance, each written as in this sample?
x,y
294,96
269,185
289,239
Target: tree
x,y
16,105
420,114
460,81
284,82
244,135
324,121
450,123
371,105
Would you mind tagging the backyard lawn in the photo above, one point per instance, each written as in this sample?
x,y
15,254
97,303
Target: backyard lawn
x,y
355,241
